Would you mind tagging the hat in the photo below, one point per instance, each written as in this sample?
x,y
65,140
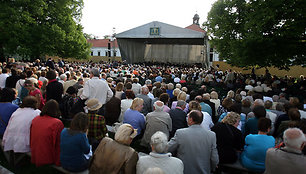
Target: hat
x,y
93,104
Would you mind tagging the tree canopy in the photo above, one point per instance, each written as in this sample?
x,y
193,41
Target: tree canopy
x,y
259,32
35,28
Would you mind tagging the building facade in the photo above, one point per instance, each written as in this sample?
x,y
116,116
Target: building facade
x,y
104,48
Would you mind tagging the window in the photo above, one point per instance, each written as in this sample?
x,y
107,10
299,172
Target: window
x,y
211,56
106,53
98,53
114,53
91,53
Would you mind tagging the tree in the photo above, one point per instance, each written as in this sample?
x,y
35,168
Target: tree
x,y
259,32
35,28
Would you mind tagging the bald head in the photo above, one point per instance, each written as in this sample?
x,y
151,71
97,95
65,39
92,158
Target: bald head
x,y
198,98
196,116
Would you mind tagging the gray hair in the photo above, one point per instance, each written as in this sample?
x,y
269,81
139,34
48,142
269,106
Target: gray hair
x,y
179,86
181,103
259,102
157,107
95,72
148,81
159,141
206,96
144,90
294,138
63,76
275,98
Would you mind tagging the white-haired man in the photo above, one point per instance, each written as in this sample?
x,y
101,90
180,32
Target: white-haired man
x,y
159,157
158,120
289,159
147,105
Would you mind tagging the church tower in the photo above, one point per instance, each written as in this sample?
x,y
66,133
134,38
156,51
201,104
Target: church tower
x,y
196,19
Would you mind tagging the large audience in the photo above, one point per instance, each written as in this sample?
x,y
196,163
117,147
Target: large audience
x,y
114,117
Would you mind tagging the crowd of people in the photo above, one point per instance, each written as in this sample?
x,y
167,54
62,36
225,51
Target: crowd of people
x,y
165,118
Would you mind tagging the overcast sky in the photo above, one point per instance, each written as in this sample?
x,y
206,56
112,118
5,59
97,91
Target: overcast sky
x,y
100,17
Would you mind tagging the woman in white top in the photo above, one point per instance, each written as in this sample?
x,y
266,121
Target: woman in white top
x,y
126,103
207,121
17,134
119,90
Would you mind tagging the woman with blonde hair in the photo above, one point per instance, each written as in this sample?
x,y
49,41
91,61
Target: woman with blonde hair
x,y
116,156
230,94
133,116
214,98
229,138
181,96
176,92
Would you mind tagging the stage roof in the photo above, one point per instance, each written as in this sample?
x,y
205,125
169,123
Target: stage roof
x,y
159,30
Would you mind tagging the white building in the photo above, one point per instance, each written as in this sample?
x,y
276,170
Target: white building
x,y
104,48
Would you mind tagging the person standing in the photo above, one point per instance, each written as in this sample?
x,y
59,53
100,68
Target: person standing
x,y
54,89
195,146
96,88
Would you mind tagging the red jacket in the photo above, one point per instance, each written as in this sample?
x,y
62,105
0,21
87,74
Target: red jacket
x,y
45,140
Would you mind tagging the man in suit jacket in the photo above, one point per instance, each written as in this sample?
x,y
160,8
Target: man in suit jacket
x,y
195,146
178,117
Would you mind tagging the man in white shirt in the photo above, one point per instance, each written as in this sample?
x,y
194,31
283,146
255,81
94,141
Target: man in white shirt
x,y
96,88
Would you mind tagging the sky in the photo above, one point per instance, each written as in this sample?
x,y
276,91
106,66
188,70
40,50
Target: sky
x,y
100,17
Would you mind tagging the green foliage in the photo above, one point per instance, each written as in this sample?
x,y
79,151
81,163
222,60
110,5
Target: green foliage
x,y
35,28
259,32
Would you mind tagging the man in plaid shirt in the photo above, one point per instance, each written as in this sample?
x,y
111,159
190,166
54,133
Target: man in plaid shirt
x,y
97,127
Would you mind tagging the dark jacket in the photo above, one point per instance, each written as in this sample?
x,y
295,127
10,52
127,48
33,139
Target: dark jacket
x,y
178,117
229,141
112,110
54,90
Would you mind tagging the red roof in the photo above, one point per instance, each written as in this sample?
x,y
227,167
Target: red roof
x,y
196,27
101,42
